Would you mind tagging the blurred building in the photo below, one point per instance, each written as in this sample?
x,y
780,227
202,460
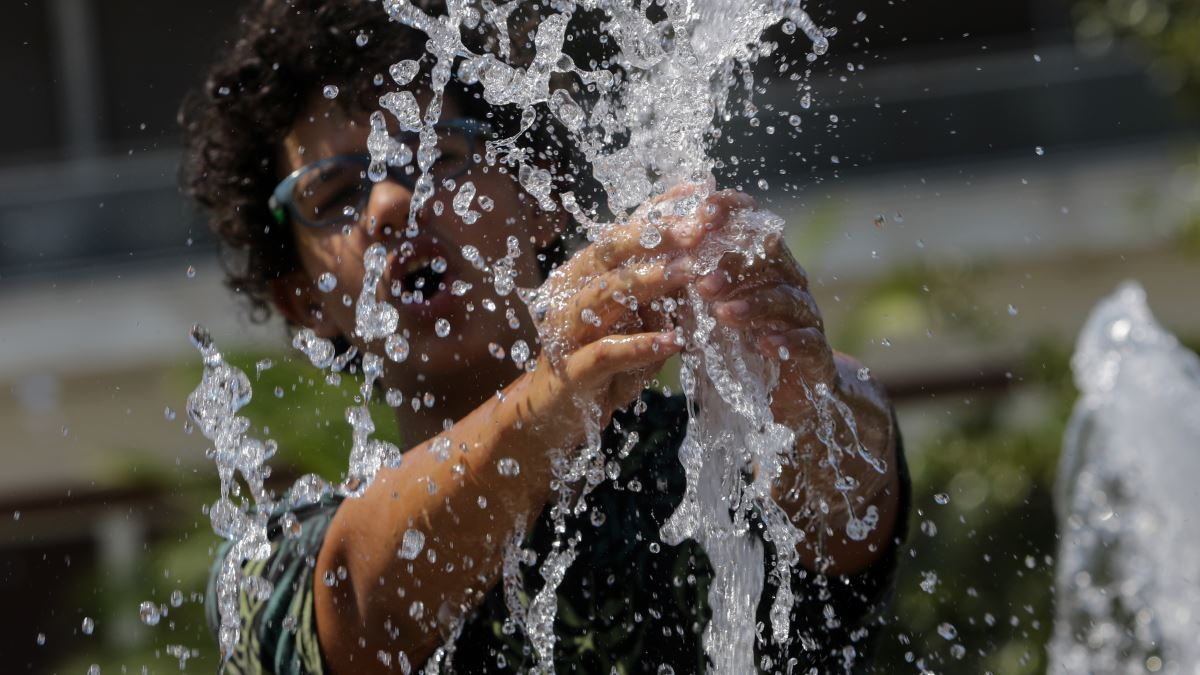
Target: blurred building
x,y
974,135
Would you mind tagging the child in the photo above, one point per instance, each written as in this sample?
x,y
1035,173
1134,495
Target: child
x,y
408,575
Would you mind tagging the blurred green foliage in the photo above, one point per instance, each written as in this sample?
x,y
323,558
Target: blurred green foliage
x,y
292,404
1166,32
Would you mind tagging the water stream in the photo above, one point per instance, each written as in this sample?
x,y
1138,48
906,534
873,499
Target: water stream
x,y
1128,577
644,122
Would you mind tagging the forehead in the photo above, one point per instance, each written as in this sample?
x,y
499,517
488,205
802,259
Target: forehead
x,y
326,128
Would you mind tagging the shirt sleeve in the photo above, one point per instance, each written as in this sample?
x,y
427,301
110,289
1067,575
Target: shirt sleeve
x,y
835,620
278,629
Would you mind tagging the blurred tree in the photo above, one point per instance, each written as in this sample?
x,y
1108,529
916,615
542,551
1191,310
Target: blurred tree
x,y
1165,32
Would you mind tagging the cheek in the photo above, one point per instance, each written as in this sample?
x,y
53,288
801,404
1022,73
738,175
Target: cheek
x,y
337,255
509,217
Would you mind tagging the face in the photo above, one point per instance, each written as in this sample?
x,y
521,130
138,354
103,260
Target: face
x,y
477,317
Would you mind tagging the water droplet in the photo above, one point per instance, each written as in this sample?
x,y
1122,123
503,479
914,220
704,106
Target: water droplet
x,y
929,581
496,350
396,348
148,613
864,374
330,91
519,352
947,630
508,467
441,327
1039,151
794,120
438,264
788,27
403,71
1012,310
88,625
41,639
326,282
650,236
191,272
411,544
176,598
93,669
362,39
462,200
942,498
862,16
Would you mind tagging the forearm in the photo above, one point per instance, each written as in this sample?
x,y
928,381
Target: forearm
x,y
465,503
807,488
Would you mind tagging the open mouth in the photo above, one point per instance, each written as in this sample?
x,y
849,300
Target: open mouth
x,y
421,276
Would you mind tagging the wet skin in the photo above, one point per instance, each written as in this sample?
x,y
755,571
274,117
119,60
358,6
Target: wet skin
x,y
536,413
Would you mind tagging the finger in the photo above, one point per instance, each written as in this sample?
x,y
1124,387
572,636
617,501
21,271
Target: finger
x,y
736,271
804,353
600,361
784,306
617,294
681,224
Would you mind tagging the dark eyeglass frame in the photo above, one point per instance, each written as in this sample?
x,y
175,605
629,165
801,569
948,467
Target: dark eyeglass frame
x,y
282,205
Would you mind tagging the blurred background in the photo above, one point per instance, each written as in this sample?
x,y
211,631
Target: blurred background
x,y
970,179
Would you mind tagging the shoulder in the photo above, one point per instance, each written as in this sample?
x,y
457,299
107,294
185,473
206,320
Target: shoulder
x,y
275,617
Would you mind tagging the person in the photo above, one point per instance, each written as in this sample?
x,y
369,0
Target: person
x,y
408,574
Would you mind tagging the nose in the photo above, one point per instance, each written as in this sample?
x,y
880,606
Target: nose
x,y
386,212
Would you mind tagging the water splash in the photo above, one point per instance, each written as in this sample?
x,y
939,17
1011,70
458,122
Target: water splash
x,y
1128,588
213,407
643,121
673,78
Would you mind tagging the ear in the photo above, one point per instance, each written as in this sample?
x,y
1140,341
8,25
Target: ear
x,y
294,297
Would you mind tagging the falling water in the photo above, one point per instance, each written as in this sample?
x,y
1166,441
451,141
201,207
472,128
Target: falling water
x,y
1128,586
644,123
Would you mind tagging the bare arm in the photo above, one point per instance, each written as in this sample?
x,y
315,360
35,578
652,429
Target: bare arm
x,y
770,299
828,542
381,601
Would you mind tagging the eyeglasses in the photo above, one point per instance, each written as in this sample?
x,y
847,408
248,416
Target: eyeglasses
x,y
336,189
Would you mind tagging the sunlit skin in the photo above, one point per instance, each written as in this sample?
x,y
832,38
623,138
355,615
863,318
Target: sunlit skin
x,y
372,608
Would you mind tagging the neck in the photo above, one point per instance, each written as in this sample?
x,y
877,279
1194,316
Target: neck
x,y
455,396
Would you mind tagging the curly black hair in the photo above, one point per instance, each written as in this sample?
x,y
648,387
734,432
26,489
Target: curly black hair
x,y
284,53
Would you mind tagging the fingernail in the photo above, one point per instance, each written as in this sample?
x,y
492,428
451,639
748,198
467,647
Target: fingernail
x,y
774,341
681,265
665,340
713,283
684,230
736,309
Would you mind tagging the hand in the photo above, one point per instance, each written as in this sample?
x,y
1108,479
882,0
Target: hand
x,y
600,340
769,300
